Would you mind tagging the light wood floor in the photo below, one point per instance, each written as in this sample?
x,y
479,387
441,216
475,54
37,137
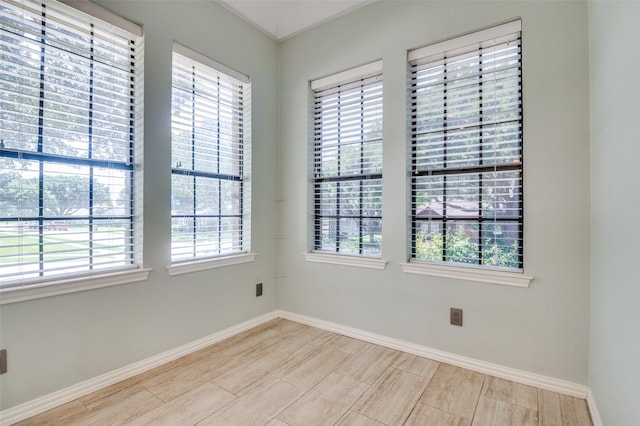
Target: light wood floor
x,y
284,373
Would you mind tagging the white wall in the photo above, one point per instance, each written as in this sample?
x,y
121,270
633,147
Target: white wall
x,y
59,341
614,357
542,329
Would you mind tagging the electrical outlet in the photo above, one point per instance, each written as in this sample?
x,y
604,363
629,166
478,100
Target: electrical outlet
x,y
3,361
258,289
456,316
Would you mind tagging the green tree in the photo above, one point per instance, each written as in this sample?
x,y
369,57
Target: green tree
x,y
461,249
65,195
18,197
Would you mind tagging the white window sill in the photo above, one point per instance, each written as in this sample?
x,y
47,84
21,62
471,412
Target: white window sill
x,y
214,262
66,285
340,259
469,273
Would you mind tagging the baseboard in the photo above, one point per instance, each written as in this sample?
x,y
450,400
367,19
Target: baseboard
x,y
593,409
515,375
39,405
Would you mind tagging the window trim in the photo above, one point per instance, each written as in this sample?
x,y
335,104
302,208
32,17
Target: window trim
x,y
105,15
196,263
211,63
455,46
463,41
186,267
331,82
515,278
345,260
70,284
22,289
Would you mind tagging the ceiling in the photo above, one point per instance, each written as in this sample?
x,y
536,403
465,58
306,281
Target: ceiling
x,y
281,19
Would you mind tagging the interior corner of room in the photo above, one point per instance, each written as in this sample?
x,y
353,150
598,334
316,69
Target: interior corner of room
x,y
574,326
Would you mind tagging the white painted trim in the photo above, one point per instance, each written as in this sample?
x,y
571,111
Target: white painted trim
x,y
66,285
104,15
354,73
593,409
532,379
491,276
39,405
214,262
462,42
339,259
211,63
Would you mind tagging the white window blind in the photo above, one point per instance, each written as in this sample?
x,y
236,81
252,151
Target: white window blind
x,y
70,120
348,162
209,155
466,149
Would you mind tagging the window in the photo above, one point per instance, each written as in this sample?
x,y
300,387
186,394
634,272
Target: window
x,y
347,162
209,156
466,150
70,87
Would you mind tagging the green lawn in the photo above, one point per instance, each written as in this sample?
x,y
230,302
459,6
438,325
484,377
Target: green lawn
x,y
29,246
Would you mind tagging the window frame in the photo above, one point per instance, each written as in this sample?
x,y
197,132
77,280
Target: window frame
x,y
47,284
365,77
448,268
195,262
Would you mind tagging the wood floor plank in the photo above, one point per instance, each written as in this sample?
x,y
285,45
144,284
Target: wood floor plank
x,y
336,387
575,412
425,415
356,419
315,368
58,415
116,397
347,344
305,343
289,327
97,396
310,410
246,376
549,412
491,412
180,380
325,403
188,409
391,399
254,345
513,393
415,364
368,363
257,407
454,390
118,409
276,422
